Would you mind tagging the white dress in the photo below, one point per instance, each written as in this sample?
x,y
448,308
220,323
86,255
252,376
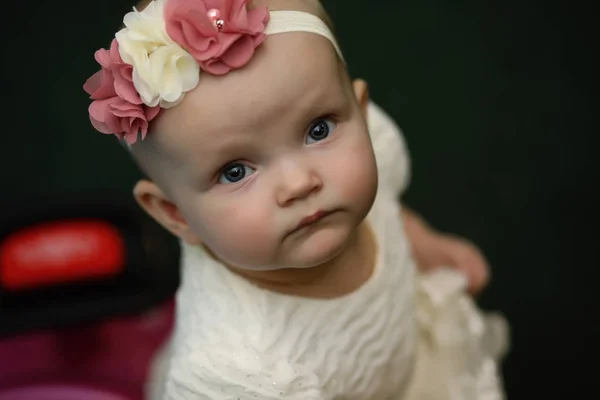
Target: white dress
x,y
399,336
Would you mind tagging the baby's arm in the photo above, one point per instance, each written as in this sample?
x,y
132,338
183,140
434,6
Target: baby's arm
x,y
433,249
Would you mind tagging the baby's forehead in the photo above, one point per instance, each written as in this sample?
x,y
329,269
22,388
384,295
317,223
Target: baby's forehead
x,y
302,64
288,74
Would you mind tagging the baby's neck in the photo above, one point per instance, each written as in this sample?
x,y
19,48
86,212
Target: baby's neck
x,y
339,276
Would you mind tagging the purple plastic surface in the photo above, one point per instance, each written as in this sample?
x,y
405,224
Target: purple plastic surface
x,y
103,361
60,392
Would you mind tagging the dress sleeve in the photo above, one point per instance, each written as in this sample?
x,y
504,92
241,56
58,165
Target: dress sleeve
x,y
391,153
239,373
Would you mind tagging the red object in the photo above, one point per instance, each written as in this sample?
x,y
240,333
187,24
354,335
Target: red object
x,y
61,252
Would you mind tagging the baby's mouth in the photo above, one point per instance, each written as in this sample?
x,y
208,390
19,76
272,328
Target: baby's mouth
x,y
311,219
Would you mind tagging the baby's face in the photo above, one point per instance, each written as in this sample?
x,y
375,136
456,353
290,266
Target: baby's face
x,y
262,151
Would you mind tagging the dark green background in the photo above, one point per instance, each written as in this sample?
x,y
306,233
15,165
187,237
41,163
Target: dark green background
x,y
495,101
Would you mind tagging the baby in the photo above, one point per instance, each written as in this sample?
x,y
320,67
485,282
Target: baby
x,y
281,178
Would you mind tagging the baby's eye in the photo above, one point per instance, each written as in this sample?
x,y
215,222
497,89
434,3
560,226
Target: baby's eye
x,y
234,173
319,130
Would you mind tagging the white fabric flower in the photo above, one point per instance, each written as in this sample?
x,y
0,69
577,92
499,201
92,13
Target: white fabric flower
x,y
162,70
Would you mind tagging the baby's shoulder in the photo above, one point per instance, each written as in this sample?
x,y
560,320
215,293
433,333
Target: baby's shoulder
x,y
389,146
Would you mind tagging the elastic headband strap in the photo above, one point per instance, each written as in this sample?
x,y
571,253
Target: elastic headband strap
x,y
299,21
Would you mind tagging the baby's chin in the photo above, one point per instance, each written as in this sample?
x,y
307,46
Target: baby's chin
x,y
308,251
321,247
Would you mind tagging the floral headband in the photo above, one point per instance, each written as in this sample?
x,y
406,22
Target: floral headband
x,y
163,50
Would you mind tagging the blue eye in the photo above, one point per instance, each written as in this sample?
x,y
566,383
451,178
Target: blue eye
x,y
234,173
319,130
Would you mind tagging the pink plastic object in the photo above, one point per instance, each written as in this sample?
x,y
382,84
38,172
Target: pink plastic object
x,y
60,392
103,361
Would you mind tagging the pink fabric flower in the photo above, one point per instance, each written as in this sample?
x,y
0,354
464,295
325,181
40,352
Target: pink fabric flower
x,y
217,51
117,107
120,117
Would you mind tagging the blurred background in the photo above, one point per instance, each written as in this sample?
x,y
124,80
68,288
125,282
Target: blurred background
x,y
494,97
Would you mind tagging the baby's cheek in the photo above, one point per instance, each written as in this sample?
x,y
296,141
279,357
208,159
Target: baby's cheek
x,y
242,231
353,179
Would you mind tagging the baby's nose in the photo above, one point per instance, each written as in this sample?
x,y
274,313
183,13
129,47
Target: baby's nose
x,y
297,181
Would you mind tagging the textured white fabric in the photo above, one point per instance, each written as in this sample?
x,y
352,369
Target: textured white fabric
x,y
393,159
298,21
459,347
398,336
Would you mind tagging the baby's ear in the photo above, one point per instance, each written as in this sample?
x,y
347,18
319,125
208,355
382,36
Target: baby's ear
x,y
153,200
361,91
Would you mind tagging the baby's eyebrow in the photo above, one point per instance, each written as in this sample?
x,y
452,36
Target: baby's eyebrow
x,y
215,152
228,143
